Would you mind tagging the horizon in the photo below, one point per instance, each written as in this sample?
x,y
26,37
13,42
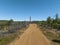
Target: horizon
x,y
21,10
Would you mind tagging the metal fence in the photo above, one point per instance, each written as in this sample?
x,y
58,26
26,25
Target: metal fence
x,y
13,28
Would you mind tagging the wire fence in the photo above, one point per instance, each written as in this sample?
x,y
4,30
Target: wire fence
x,y
12,28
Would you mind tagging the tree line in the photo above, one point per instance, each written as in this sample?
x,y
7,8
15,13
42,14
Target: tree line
x,y
53,23
11,24
4,24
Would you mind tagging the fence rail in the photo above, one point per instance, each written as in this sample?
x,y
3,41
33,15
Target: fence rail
x,y
12,29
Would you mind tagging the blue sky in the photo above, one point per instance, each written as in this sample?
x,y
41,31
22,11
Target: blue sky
x,y
23,9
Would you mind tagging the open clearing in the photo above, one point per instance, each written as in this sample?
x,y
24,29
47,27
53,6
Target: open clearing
x,y
32,36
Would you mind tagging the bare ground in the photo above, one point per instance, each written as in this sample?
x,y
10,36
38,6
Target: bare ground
x,y
32,36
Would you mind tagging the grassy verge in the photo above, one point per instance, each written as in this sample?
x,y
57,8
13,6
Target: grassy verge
x,y
55,40
6,40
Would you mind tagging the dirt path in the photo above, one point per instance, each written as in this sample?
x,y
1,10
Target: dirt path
x,y
32,36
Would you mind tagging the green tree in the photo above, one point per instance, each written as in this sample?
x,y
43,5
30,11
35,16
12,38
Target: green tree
x,y
10,22
56,18
49,21
56,22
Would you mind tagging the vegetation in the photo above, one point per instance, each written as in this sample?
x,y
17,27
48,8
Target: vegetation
x,y
52,23
9,30
51,28
6,40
